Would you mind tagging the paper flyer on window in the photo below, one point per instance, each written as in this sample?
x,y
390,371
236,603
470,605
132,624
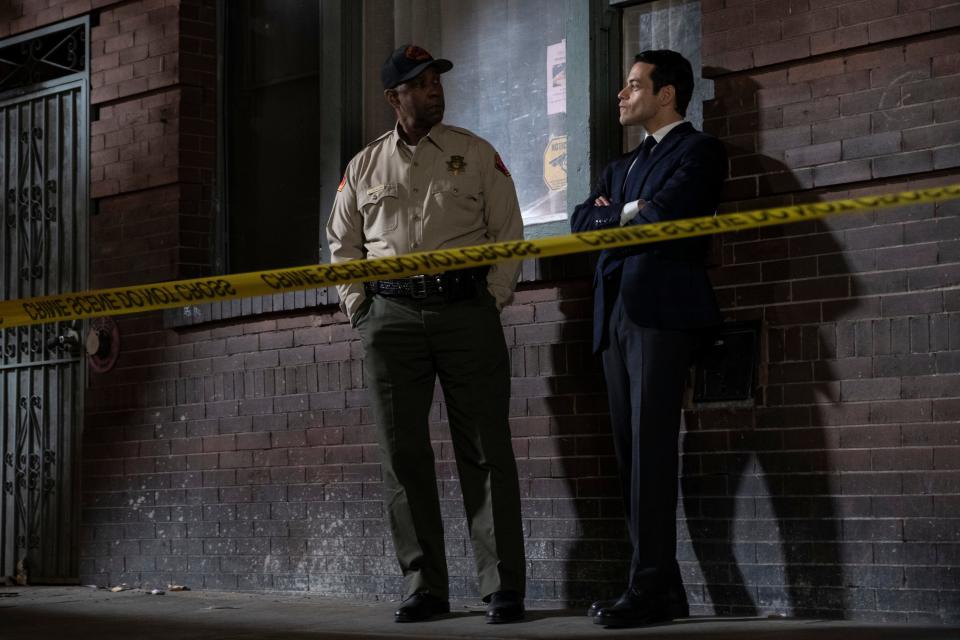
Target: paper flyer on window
x,y
557,78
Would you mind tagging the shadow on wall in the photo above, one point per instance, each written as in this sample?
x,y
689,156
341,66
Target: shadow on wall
x,y
758,482
576,536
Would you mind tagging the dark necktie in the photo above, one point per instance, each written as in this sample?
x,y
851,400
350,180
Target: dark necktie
x,y
611,260
633,174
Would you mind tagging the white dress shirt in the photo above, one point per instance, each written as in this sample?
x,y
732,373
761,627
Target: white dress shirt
x,y
631,209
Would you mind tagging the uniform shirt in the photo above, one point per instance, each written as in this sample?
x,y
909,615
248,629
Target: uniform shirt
x,y
450,190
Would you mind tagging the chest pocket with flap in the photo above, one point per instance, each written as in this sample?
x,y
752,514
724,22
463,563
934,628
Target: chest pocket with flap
x,y
459,199
380,207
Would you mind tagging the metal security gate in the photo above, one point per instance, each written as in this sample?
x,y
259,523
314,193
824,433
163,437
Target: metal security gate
x,y
43,250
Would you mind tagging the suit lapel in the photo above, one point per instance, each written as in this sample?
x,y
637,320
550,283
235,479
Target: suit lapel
x,y
617,188
664,147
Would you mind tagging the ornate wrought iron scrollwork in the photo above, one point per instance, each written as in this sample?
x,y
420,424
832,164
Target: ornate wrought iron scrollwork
x,y
34,469
46,57
32,216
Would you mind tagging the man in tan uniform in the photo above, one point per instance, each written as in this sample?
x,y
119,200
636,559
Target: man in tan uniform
x,y
423,186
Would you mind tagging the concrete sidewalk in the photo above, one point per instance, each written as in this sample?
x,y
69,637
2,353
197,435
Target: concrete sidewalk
x,y
68,613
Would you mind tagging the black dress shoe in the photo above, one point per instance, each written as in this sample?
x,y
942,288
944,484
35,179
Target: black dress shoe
x,y
599,604
638,607
419,607
505,606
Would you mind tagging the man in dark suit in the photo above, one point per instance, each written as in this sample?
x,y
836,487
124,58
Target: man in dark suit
x,y
653,308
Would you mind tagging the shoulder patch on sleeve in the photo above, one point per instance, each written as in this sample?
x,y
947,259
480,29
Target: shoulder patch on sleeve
x,y
502,168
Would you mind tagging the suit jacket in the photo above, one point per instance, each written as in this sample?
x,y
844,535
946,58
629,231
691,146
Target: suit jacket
x,y
663,285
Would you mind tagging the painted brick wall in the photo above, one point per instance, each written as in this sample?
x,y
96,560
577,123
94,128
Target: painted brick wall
x,y
239,454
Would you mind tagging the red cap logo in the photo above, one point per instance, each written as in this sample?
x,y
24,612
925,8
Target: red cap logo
x,y
417,54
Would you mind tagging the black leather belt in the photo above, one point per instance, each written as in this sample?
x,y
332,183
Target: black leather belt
x,y
452,285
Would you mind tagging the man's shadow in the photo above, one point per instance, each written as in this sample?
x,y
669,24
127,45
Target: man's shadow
x,y
577,545
753,472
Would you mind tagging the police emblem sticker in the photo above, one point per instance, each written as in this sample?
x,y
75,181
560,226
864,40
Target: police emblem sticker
x,y
456,165
502,168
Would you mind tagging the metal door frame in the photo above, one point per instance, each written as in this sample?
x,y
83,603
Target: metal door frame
x,y
45,370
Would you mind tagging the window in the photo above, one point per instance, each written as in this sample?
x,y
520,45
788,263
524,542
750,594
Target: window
x,y
666,24
508,84
270,112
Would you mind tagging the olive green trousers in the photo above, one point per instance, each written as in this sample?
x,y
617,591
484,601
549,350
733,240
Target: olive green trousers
x,y
409,344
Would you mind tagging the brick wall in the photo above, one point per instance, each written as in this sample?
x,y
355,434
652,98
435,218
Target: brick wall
x,y
838,492
240,454
152,140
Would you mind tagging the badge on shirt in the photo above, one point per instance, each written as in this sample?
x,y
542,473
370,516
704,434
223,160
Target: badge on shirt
x,y
502,168
456,165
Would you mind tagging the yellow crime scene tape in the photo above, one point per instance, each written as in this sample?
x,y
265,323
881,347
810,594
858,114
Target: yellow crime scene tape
x,y
180,293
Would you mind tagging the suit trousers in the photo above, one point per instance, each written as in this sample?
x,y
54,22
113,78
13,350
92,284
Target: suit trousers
x,y
409,344
645,370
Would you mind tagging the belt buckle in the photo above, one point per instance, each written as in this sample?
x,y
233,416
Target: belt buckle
x,y
418,286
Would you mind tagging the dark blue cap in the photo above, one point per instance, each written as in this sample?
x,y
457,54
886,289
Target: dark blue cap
x,y
407,62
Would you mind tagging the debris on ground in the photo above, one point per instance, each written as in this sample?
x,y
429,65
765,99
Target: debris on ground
x,y
177,587
156,592
120,587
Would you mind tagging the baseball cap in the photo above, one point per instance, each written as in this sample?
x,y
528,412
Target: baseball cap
x,y
407,62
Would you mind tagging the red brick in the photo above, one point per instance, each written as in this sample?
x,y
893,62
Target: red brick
x,y
903,163
903,118
753,164
922,50
783,95
104,31
841,172
726,62
749,36
813,155
785,182
867,11
132,54
932,136
946,65
118,42
945,17
841,128
821,288
913,304
873,145
809,22
841,84
118,74
772,10
946,157
909,6
727,19
46,16
782,51
890,77
898,27
933,89
216,444
785,138
865,101
837,39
